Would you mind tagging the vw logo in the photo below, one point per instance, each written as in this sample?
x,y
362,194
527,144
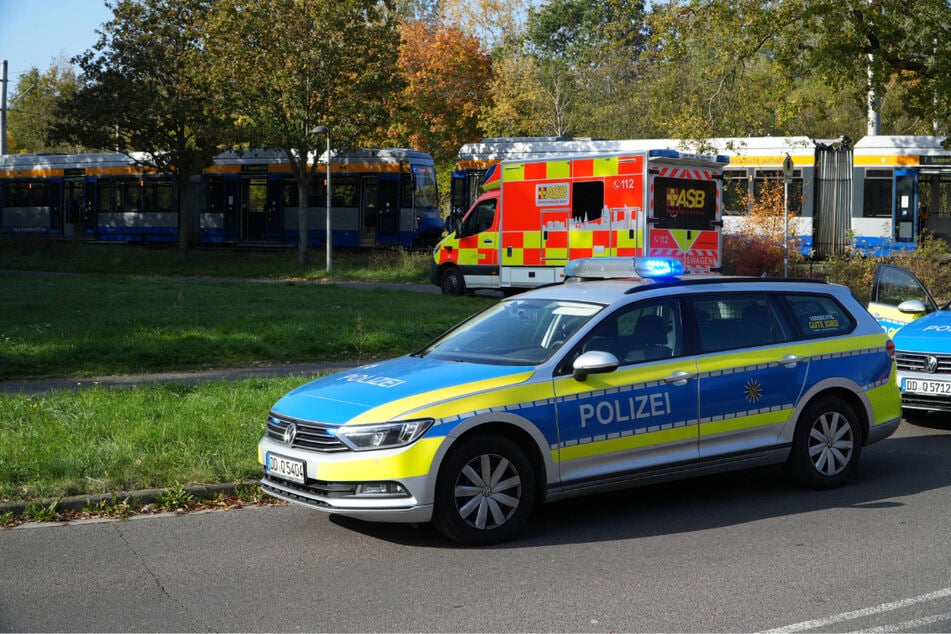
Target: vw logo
x,y
931,364
290,433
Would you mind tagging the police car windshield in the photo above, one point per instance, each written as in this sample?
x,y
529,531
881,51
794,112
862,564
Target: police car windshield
x,y
513,332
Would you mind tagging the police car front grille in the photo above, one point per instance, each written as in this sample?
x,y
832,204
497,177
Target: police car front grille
x,y
309,435
926,401
306,492
917,362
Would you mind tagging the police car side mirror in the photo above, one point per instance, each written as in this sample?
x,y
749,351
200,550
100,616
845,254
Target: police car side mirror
x,y
912,306
594,362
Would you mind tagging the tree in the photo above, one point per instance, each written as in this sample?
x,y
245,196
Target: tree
x,y
32,115
446,78
289,66
145,89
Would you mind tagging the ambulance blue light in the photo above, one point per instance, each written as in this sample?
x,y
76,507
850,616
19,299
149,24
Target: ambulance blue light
x,y
663,154
490,172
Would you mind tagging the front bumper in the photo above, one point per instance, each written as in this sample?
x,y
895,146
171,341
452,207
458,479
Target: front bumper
x,y
928,402
332,479
370,510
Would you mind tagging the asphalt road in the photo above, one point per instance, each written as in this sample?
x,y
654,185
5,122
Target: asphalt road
x,y
740,552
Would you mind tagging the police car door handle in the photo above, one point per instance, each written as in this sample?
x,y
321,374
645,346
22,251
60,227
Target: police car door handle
x,y
791,360
680,377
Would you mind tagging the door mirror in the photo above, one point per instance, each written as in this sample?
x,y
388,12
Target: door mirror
x,y
594,362
912,306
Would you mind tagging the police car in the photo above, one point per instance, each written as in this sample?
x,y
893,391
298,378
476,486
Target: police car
x,y
922,335
589,385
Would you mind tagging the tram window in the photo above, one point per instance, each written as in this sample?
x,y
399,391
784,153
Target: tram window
x,y
104,196
40,195
157,196
128,196
735,192
774,178
877,194
406,191
343,192
18,194
216,196
427,194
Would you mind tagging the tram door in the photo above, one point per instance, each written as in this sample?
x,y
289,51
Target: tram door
x,y
369,206
904,206
72,207
388,205
253,208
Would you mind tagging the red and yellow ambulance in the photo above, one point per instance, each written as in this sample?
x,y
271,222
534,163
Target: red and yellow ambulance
x,y
536,215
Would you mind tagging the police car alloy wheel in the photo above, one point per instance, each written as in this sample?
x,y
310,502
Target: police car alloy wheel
x,y
827,444
485,491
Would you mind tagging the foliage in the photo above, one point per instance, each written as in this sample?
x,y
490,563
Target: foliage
x,y
770,241
145,89
327,63
446,75
32,115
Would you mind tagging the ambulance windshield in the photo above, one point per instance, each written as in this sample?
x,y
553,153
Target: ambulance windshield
x,y
514,332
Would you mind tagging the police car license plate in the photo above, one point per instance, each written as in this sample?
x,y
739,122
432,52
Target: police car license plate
x,y
926,387
287,468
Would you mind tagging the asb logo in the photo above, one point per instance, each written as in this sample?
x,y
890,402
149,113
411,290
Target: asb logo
x,y
684,198
552,194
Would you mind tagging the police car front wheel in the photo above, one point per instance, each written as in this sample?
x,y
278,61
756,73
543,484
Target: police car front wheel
x,y
485,491
827,444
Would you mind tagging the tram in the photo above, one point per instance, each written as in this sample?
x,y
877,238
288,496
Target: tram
x,y
379,197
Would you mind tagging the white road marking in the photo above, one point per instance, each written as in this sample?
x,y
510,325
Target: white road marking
x,y
858,614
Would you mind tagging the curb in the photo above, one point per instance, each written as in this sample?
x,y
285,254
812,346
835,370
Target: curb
x,y
140,498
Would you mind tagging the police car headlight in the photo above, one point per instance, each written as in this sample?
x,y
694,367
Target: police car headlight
x,y
385,436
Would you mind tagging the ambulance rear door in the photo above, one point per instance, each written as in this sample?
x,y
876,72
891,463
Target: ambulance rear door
x,y
686,215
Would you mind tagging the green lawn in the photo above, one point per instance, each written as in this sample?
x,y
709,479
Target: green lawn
x,y
100,440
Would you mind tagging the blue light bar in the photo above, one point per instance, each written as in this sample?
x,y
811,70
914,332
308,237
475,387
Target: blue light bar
x,y
619,268
663,154
658,267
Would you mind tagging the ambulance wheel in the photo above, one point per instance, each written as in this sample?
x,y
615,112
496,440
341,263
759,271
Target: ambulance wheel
x,y
827,444
485,491
451,282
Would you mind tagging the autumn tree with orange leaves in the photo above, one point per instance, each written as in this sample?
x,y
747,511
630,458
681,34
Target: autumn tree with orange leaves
x,y
447,76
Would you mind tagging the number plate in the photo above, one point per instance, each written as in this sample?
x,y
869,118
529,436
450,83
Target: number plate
x,y
917,386
287,468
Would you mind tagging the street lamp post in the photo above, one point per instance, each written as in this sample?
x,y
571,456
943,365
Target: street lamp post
x,y
322,129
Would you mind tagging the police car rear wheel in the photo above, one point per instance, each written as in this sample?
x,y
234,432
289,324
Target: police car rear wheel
x,y
485,491
452,282
827,444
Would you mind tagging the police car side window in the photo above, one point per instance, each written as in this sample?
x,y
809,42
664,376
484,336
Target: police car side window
x,y
740,320
819,316
640,333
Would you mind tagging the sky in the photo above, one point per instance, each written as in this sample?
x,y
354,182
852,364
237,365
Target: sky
x,y
37,32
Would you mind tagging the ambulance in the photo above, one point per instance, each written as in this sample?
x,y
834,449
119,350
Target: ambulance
x,y
536,215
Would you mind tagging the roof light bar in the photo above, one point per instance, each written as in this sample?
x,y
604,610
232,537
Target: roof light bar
x,y
619,268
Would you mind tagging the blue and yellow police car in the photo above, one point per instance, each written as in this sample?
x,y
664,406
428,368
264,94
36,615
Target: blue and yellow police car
x,y
627,373
921,331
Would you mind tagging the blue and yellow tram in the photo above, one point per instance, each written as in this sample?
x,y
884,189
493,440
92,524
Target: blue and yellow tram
x,y
379,197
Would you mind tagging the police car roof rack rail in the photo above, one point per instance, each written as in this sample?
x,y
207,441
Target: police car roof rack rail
x,y
700,280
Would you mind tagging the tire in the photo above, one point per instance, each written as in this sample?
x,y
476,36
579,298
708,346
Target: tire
x,y
451,282
485,491
827,444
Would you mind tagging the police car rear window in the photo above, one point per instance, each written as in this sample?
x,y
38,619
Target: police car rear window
x,y
819,316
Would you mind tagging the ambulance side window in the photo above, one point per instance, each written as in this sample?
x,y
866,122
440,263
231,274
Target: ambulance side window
x,y
587,201
479,219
